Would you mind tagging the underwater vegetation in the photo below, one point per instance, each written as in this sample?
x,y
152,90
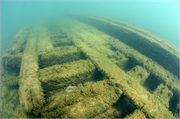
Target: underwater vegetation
x,y
89,67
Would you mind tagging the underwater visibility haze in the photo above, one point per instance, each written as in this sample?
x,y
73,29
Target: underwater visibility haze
x,y
90,59
158,17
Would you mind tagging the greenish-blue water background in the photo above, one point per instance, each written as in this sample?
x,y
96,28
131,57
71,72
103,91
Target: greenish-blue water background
x,y
158,17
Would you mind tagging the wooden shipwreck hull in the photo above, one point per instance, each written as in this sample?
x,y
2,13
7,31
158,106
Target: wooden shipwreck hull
x,y
91,67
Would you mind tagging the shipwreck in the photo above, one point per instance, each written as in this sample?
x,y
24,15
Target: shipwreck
x,y
89,67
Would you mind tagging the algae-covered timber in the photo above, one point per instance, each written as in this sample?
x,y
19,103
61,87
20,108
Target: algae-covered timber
x,y
90,67
148,44
30,91
60,76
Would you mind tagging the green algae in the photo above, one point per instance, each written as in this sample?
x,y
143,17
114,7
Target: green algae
x,y
72,70
60,76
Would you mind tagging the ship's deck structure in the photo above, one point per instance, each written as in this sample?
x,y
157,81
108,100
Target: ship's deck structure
x,y
89,67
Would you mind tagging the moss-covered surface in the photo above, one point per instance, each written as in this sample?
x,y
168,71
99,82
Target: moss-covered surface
x,y
71,70
43,39
109,113
130,88
139,74
30,91
20,41
60,76
10,95
9,102
12,62
136,114
61,40
84,102
158,49
164,94
60,55
12,82
98,59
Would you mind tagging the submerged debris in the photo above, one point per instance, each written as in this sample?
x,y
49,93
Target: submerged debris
x,y
90,67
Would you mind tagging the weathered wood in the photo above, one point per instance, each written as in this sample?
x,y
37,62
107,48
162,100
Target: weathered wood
x,y
30,91
92,67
